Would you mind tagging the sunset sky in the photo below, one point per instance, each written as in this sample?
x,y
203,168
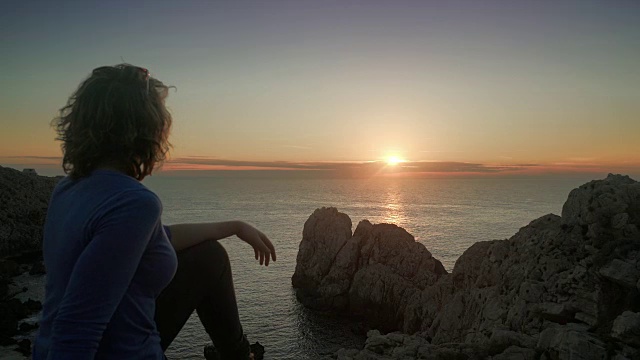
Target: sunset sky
x,y
447,87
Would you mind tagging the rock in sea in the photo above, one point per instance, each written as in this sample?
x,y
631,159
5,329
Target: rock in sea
x,y
563,287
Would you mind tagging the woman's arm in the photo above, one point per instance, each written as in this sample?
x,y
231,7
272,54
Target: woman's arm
x,y
187,235
102,275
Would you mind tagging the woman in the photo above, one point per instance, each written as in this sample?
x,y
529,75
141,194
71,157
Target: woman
x,y
120,285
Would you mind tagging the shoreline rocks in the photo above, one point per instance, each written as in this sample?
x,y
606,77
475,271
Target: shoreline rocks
x,y
24,197
561,288
373,272
17,307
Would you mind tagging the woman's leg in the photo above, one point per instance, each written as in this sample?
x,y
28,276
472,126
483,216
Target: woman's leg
x,y
203,283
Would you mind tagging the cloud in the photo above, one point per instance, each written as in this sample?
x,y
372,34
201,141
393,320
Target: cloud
x,y
287,165
452,166
299,147
354,168
441,152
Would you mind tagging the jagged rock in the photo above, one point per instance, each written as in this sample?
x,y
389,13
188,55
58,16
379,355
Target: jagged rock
x,y
403,346
516,353
26,327
24,347
605,208
32,306
345,354
539,281
378,343
9,268
24,200
571,342
621,272
600,200
11,311
325,233
501,340
552,290
626,328
37,268
373,272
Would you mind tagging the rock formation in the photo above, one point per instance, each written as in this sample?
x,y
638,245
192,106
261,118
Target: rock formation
x,y
24,197
561,288
23,207
375,271
12,309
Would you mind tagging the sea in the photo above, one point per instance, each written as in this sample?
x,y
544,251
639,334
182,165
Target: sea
x,y
447,215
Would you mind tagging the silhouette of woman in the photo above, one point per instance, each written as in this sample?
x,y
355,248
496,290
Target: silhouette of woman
x,y
120,284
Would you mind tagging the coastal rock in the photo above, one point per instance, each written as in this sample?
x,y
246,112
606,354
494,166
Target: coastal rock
x,y
515,352
571,342
24,347
397,345
626,328
375,272
11,312
503,339
37,268
621,272
605,209
325,232
555,289
24,198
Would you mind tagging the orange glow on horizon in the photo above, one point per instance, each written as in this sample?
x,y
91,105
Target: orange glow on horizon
x,y
392,166
180,167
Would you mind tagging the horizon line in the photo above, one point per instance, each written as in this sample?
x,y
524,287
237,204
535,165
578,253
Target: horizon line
x,y
366,168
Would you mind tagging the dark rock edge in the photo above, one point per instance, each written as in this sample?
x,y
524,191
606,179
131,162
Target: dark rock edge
x,y
561,288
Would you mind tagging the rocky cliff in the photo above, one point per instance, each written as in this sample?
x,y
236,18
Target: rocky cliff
x,y
23,207
561,288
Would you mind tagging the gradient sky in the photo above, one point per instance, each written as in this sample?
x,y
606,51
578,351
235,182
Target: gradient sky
x,y
495,84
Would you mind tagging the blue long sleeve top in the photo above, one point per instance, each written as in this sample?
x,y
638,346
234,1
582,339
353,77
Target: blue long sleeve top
x,y
107,257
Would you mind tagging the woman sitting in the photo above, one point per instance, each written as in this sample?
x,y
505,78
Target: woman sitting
x,y
119,284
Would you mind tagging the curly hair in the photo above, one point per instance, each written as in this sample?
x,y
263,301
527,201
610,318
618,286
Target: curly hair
x,y
116,118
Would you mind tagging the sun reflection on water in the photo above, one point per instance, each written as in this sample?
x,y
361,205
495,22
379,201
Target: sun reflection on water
x,y
394,209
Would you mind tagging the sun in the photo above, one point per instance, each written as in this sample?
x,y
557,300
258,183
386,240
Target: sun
x,y
393,160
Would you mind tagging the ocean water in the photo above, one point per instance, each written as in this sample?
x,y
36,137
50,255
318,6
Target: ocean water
x,y
446,215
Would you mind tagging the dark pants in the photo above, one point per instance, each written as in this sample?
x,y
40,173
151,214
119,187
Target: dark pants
x,y
203,283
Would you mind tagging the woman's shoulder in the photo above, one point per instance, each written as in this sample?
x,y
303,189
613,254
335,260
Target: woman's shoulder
x,y
137,204
108,189
135,195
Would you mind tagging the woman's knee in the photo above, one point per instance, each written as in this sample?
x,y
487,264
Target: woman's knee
x,y
211,254
204,261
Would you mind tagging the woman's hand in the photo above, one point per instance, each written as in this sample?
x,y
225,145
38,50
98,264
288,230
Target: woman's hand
x,y
186,235
262,246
